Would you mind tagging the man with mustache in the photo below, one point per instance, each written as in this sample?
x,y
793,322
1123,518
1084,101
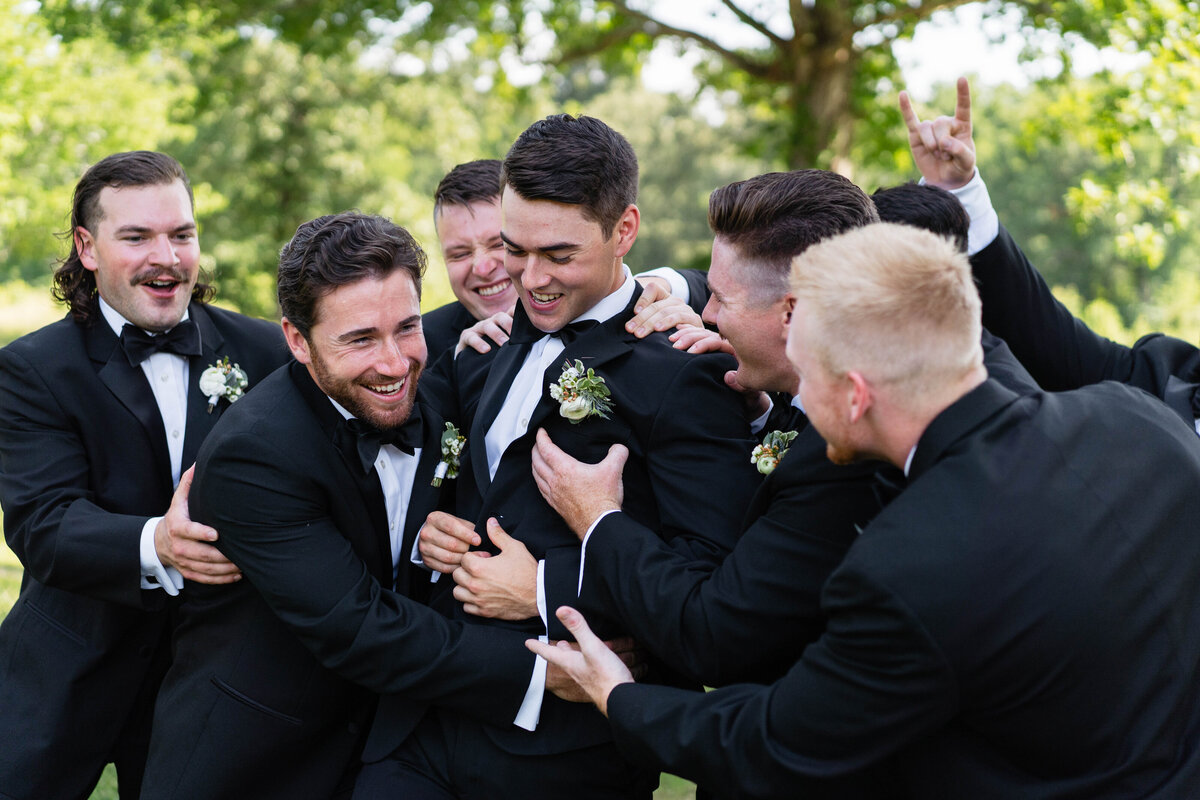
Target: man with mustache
x,y
101,414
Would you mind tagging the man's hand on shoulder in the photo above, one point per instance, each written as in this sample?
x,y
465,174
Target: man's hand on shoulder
x,y
497,327
187,545
658,310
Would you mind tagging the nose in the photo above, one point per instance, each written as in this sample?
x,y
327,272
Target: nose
x,y
534,274
163,251
709,314
485,263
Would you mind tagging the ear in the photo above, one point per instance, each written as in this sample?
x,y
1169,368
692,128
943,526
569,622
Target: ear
x,y
858,395
626,230
787,307
296,341
85,245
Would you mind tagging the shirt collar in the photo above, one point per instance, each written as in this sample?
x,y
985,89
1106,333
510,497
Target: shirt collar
x,y
117,322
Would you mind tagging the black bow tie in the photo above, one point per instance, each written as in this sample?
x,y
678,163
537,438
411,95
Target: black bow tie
x,y
368,439
183,340
524,331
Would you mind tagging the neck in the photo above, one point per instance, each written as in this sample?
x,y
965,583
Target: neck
x,y
902,425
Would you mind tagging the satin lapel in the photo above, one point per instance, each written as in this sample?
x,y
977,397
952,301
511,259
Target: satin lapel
x,y
425,495
129,385
503,370
199,420
594,348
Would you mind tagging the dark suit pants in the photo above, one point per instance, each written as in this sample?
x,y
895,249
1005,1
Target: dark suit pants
x,y
449,758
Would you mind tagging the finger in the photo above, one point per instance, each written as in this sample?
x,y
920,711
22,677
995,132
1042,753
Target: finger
x,y
211,580
193,531
577,625
477,343
732,382
557,657
908,113
549,451
452,526
618,454
497,535
435,540
962,108
925,134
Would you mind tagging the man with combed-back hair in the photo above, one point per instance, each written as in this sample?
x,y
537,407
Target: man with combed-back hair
x,y
318,481
101,414
1022,621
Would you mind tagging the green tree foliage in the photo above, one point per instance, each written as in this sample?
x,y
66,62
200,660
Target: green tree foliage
x,y
63,106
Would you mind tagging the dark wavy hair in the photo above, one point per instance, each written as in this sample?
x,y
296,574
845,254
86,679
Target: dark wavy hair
x,y
472,182
579,161
340,249
73,283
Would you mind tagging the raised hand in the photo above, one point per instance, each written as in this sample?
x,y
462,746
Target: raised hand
x,y
594,667
943,148
497,327
444,539
579,492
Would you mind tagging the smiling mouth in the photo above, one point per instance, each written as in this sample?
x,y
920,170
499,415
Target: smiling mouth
x,y
543,299
387,389
494,289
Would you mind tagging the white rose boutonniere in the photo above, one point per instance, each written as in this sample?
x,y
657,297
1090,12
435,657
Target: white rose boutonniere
x,y
223,379
774,447
580,393
452,447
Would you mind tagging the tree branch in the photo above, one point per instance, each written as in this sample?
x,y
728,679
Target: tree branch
x,y
905,12
755,68
761,27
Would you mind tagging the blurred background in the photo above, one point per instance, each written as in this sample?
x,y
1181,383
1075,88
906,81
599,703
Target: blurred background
x,y
1084,111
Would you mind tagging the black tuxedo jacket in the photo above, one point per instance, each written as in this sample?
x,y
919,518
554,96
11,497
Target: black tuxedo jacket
x,y
1063,353
1022,621
749,618
443,326
272,686
688,477
83,465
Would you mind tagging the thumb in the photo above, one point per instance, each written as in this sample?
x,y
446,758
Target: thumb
x,y
179,500
618,454
732,382
499,538
577,625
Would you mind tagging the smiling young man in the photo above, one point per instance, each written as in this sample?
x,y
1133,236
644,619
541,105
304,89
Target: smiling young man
x,y
101,414
569,219
318,482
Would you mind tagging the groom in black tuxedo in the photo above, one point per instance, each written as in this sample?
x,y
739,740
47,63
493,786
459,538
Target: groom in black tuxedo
x,y
100,415
568,220
318,483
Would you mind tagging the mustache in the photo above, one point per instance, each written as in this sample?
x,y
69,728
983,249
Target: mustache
x,y
158,274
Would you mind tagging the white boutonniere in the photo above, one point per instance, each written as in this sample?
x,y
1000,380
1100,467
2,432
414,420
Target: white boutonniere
x,y
223,379
580,394
452,447
774,447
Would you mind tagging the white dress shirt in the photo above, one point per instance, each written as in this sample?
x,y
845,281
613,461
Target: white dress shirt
x,y
168,377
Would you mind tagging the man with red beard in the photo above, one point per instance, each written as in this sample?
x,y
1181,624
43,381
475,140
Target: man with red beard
x,y
101,414
318,482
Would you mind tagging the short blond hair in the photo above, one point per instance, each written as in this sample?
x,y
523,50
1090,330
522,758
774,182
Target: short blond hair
x,y
892,302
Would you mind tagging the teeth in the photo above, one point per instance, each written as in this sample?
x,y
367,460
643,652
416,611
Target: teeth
x,y
491,291
543,298
386,388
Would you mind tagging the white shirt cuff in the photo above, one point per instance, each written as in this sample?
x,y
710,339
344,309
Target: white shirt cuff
x,y
679,286
985,224
416,558
531,707
154,574
583,547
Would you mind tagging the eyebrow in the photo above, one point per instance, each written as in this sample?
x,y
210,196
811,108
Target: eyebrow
x,y
191,226
550,248
350,336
